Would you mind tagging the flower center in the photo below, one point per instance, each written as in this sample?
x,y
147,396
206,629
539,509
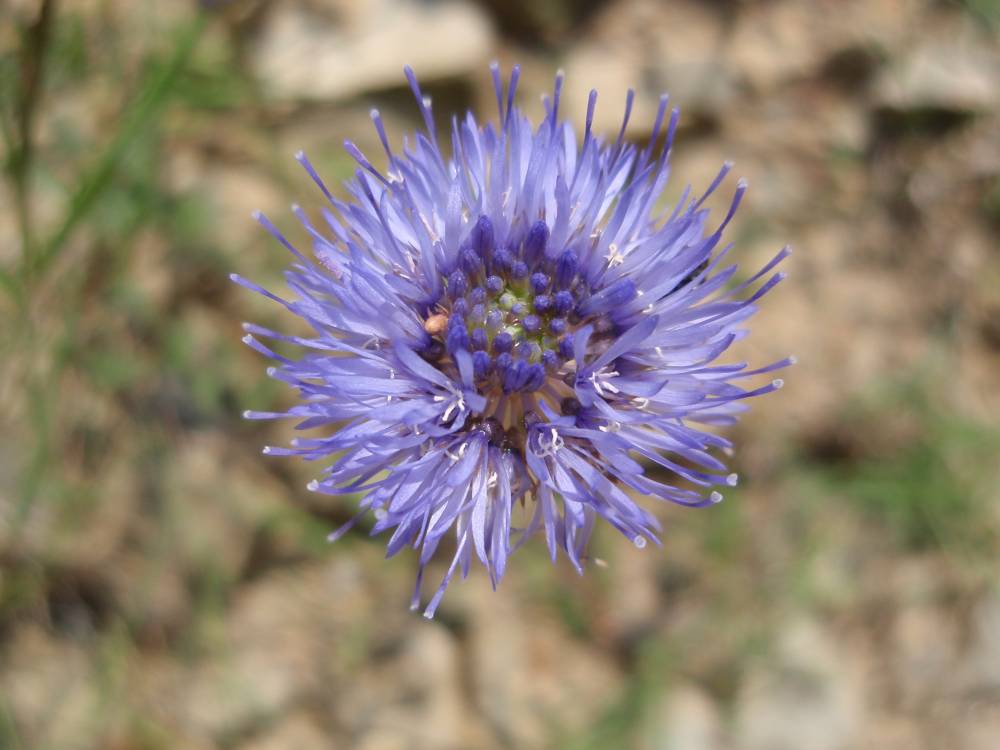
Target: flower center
x,y
516,308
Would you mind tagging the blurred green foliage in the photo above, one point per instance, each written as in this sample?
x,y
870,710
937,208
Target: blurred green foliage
x,y
987,10
932,488
86,334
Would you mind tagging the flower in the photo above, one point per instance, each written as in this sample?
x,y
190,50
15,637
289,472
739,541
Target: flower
x,y
515,324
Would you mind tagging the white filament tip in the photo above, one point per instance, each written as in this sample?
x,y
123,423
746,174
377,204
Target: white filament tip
x,y
312,486
732,479
777,383
639,542
715,498
267,450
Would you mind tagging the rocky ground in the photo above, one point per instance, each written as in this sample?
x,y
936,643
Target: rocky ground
x,y
163,585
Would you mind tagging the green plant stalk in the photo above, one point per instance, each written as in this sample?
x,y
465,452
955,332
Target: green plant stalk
x,y
136,119
19,134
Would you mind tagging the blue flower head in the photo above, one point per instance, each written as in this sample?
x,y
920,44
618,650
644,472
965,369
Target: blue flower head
x,y
514,322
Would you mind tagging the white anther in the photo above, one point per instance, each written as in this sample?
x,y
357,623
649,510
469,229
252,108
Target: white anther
x,y
431,234
639,542
552,445
398,270
492,480
461,452
611,427
458,404
614,257
641,403
600,387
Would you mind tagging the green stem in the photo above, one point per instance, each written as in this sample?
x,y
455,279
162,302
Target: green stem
x,y
30,94
135,120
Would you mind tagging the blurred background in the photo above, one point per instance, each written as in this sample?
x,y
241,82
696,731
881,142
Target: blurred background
x,y
163,585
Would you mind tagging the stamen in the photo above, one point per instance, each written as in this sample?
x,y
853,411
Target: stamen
x,y
601,387
553,445
457,404
614,257
461,452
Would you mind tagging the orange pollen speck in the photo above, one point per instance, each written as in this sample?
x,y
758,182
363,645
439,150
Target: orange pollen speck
x,y
435,324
